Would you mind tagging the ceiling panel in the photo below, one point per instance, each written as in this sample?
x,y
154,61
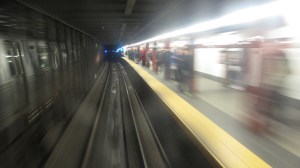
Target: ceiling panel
x,y
115,21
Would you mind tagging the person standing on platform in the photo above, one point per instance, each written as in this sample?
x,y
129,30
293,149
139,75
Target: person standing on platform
x,y
130,54
148,58
127,53
143,56
136,56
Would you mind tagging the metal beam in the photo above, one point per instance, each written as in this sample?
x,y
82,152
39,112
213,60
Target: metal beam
x,y
129,7
102,14
105,20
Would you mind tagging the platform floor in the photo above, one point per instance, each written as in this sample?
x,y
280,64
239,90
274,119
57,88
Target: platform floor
x,y
230,109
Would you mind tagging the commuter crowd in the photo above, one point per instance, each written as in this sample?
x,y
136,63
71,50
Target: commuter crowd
x,y
175,65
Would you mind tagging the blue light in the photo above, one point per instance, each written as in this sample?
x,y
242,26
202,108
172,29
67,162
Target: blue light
x,y
105,51
120,50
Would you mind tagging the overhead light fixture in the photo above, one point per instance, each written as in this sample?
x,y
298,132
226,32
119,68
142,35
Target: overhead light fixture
x,y
277,8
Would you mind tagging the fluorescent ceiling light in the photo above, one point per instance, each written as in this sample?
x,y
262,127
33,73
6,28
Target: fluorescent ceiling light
x,y
240,17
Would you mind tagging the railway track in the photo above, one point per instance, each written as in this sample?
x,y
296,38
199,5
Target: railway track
x,y
122,135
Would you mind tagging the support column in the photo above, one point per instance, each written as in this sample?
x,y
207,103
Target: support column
x,y
154,60
147,47
144,53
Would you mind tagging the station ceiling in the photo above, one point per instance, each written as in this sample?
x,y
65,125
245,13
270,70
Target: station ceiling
x,y
124,21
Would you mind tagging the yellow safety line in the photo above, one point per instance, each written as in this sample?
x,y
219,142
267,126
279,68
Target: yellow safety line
x,y
225,149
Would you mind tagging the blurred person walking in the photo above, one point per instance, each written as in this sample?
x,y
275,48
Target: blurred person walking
x,y
275,68
165,58
174,60
159,59
184,74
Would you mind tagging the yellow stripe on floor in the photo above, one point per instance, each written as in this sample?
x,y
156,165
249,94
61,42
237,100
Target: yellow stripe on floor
x,y
222,146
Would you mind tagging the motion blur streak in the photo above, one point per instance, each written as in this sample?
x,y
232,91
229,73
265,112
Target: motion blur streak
x,y
281,7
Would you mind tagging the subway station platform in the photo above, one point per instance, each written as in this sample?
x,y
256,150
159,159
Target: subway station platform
x,y
230,109
68,99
